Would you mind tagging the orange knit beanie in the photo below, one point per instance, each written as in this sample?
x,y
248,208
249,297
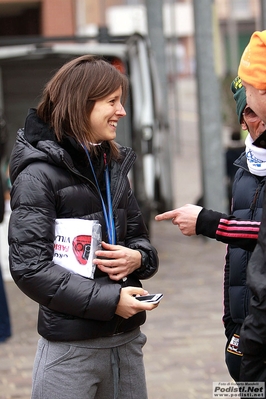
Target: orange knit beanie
x,y
252,67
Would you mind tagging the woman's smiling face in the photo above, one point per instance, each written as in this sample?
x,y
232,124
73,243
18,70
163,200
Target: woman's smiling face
x,y
105,116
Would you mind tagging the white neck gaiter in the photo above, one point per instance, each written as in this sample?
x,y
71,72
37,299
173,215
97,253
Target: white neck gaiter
x,y
256,158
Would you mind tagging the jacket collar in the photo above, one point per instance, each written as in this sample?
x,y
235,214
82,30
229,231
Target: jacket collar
x,y
261,141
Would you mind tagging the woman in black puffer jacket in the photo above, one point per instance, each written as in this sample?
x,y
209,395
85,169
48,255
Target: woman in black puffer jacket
x,y
91,344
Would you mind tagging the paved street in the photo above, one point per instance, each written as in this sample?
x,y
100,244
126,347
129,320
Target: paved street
x,y
185,349
184,353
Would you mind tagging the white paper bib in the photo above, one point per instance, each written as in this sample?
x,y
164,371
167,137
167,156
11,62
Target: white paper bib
x,y
76,241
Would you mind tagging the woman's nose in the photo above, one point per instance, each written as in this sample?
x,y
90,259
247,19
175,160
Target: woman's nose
x,y
121,110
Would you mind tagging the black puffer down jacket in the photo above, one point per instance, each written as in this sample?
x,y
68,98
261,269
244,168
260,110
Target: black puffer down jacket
x,y
248,192
46,185
253,332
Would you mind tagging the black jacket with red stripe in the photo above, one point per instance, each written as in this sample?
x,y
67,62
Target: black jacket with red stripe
x,y
253,332
240,231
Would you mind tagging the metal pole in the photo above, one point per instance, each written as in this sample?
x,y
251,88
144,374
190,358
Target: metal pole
x,y
156,37
263,14
208,92
173,72
158,44
232,32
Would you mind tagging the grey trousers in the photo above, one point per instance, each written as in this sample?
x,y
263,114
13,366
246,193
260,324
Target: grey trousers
x,y
63,370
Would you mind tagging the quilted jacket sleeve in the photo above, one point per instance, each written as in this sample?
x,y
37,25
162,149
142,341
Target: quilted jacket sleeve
x,y
228,229
138,238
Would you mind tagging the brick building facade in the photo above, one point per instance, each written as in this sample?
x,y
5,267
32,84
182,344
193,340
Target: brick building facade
x,y
50,17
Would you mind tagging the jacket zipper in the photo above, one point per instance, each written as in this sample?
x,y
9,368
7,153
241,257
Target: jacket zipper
x,y
255,198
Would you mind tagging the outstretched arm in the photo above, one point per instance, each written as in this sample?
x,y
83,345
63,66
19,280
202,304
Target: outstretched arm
x,y
193,219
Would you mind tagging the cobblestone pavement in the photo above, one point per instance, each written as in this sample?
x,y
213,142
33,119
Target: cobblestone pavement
x,y
184,353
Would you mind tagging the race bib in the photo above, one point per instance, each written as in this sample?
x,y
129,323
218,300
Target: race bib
x,y
76,241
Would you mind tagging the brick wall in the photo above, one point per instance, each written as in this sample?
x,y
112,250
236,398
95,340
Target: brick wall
x,y
58,17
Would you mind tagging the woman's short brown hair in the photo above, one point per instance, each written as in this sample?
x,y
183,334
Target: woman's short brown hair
x,y
69,97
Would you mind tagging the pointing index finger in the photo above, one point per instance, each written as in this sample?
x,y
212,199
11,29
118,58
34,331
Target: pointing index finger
x,y
166,215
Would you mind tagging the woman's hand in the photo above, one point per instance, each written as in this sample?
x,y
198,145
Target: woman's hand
x,y
128,305
117,261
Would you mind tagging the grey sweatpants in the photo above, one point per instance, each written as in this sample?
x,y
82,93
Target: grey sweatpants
x,y
67,370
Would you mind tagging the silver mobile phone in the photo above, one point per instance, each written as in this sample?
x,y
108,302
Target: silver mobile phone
x,y
151,298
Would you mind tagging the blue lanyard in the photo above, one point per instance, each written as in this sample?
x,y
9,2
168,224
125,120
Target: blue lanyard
x,y
108,216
